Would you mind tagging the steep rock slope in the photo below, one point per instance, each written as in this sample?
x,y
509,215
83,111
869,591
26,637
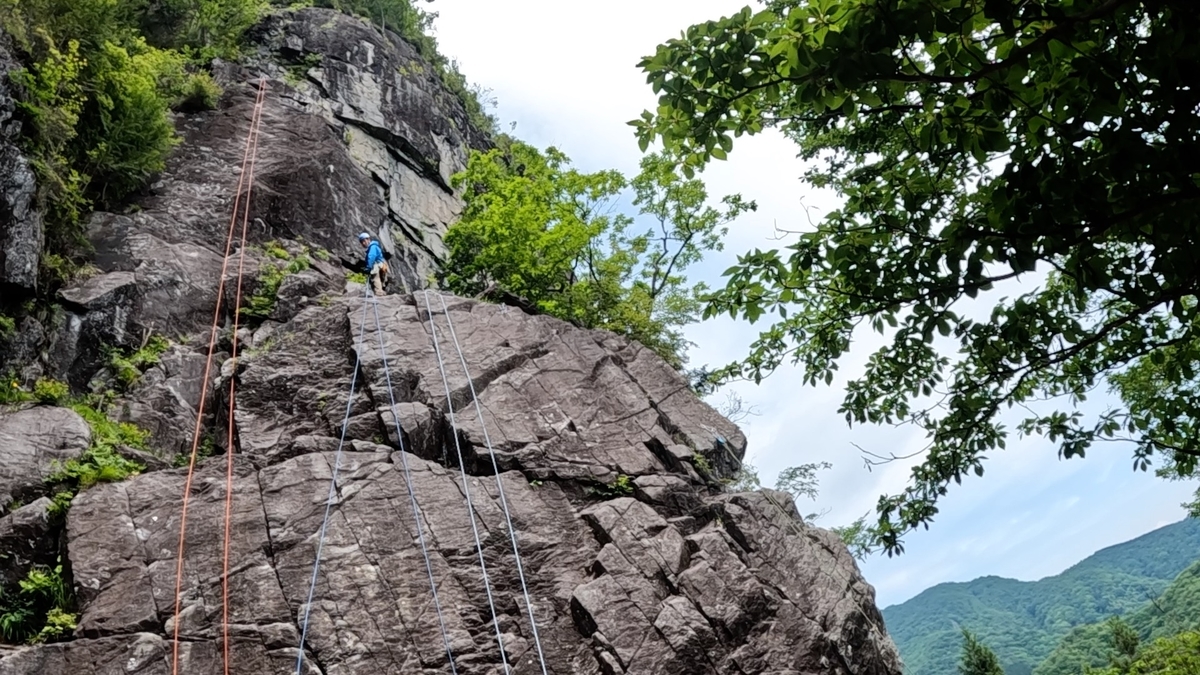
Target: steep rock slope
x,y
1022,621
674,577
635,561
358,134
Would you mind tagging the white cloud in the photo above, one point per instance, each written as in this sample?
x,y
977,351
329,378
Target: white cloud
x,y
566,73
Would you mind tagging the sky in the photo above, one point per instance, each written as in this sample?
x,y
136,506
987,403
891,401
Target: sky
x,y
566,74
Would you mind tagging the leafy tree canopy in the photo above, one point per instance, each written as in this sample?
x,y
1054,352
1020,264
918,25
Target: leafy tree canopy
x,y
1174,655
538,229
973,142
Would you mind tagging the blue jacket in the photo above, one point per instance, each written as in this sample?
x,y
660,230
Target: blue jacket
x,y
374,255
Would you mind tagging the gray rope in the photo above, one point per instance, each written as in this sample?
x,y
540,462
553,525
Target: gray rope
x,y
466,490
499,484
412,497
337,465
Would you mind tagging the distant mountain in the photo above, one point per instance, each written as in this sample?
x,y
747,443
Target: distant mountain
x,y
1176,610
1023,621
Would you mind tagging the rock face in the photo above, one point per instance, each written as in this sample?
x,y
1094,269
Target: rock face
x,y
634,562
31,441
578,449
21,230
357,134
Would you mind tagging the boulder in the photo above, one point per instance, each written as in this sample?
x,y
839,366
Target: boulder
x,y
33,442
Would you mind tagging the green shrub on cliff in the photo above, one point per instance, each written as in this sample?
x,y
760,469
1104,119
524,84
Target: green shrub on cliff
x,y
100,79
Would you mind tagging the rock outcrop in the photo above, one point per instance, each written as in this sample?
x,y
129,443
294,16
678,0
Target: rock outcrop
x,y
634,561
21,233
358,134
582,449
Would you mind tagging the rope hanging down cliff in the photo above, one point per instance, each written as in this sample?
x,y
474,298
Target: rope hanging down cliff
x,y
368,299
495,467
499,484
244,178
412,495
487,586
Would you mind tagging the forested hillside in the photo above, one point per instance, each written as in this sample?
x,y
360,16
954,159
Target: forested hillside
x,y
1023,621
1176,610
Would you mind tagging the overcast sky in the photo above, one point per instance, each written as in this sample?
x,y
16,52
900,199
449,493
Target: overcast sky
x,y
566,73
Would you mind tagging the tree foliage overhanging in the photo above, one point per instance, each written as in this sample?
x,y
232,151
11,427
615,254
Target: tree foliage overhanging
x,y
974,142
547,234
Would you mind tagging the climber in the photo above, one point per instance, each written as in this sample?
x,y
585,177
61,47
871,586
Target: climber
x,y
377,267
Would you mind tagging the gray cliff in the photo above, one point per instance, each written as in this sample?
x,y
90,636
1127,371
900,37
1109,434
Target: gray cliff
x,y
636,560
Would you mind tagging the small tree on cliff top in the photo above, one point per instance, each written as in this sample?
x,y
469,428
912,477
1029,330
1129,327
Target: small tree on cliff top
x,y
535,228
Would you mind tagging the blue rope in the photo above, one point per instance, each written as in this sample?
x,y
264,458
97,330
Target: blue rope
x,y
337,465
495,467
408,482
466,489
333,491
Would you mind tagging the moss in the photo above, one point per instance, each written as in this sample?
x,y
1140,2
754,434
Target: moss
x,y
703,467
8,326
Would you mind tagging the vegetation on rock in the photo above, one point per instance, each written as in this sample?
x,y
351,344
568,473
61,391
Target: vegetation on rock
x,y
128,367
550,235
36,608
973,143
277,266
101,78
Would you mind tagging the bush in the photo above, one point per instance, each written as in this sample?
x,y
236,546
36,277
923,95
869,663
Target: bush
x,y
128,368
35,609
51,392
8,326
200,93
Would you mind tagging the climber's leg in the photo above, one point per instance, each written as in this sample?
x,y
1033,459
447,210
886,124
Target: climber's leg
x,y
377,279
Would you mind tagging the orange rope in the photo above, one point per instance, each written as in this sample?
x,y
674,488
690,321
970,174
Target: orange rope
x,y
237,313
187,490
